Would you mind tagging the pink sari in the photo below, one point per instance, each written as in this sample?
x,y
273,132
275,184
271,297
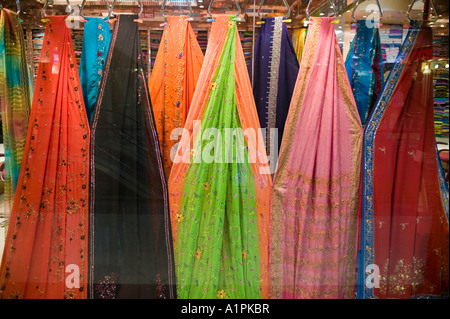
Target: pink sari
x,y
315,193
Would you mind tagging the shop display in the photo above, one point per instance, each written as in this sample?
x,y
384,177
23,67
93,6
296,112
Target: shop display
x,y
173,81
131,248
315,193
219,203
48,228
275,70
96,39
364,65
404,221
15,101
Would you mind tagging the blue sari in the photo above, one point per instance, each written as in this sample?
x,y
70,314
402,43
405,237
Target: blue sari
x,y
364,67
275,73
97,36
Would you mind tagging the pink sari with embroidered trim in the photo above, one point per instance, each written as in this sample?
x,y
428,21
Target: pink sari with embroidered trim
x,y
315,193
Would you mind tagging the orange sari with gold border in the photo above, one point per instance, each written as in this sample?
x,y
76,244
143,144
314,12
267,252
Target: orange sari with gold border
x,y
172,83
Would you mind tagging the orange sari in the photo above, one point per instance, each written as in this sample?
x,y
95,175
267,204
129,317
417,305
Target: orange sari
x,y
45,253
172,83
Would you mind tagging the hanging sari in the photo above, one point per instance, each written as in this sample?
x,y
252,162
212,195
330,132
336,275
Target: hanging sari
x,y
220,190
172,84
298,40
131,252
15,101
275,72
46,250
405,231
315,193
364,67
96,39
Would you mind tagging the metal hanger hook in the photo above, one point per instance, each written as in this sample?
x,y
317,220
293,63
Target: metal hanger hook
x,y
235,1
436,14
163,5
285,3
358,2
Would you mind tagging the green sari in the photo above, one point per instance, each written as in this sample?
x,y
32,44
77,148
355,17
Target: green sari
x,y
217,249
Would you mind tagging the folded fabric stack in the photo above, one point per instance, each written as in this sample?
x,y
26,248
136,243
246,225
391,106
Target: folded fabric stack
x,y
391,37
77,39
144,46
38,39
155,38
441,102
202,39
247,44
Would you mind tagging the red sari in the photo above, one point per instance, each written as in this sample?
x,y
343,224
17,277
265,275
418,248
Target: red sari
x,y
45,253
405,228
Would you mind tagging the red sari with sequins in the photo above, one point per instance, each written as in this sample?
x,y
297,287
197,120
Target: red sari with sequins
x,y
45,253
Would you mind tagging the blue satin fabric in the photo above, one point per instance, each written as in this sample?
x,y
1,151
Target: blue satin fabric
x,y
364,66
96,40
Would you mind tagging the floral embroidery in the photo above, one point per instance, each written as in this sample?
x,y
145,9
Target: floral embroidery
x,y
198,253
16,295
221,294
106,288
70,294
161,288
179,217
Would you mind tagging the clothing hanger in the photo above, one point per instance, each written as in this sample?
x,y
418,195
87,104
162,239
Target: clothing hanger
x,y
189,18
44,12
78,15
18,10
236,17
308,16
82,7
411,6
163,5
358,2
285,19
112,15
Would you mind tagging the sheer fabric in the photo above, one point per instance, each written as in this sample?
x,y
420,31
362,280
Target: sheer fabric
x,y
275,72
172,83
96,40
220,189
405,215
48,231
364,66
315,192
131,252
15,101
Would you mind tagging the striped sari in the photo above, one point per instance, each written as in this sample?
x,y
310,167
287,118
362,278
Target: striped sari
x,y
15,100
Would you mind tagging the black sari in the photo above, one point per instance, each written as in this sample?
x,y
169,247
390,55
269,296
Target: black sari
x,y
131,253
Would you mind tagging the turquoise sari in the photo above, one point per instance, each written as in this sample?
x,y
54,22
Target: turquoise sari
x,y
97,36
364,67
